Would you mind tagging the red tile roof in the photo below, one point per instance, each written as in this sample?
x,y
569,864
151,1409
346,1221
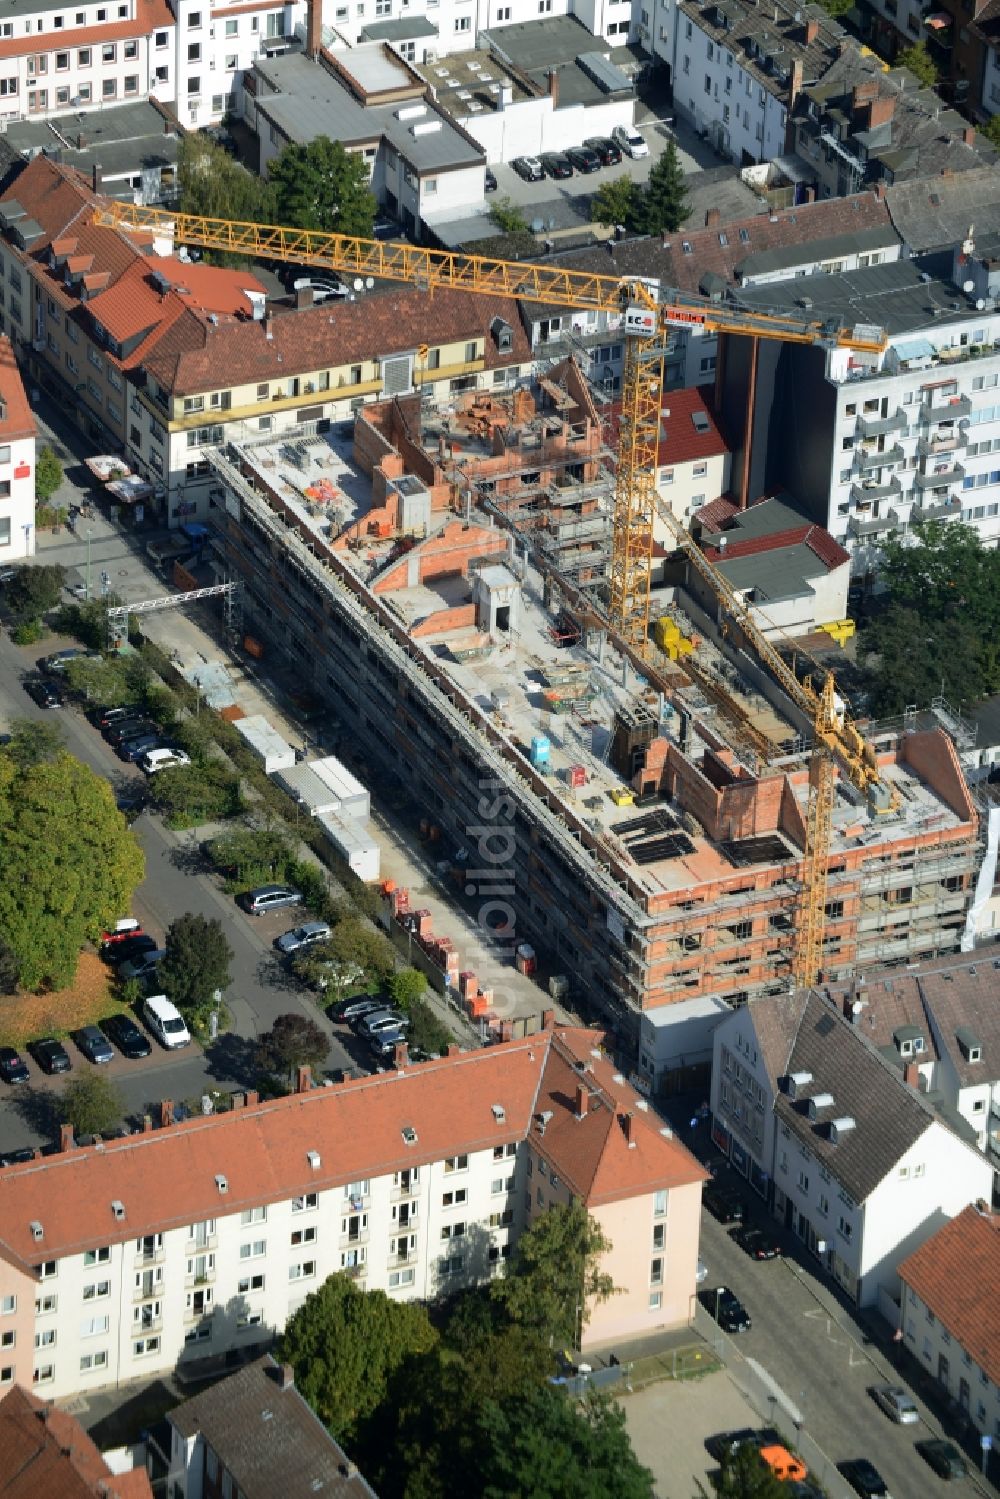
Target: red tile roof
x,y
716,515
46,1454
819,542
680,440
169,1178
136,302
955,1274
17,420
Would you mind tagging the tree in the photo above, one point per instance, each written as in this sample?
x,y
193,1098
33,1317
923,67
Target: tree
x,y
110,681
212,183
252,856
541,1443
345,1345
35,590
32,743
48,475
322,186
555,1273
920,63
92,1104
353,941
665,199
192,794
426,1032
617,201
196,965
293,1041
745,1475
406,986
508,217
70,863
991,130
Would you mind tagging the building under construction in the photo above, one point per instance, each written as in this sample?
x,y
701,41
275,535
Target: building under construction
x,y
642,825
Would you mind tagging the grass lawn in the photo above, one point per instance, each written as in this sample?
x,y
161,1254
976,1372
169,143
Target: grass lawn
x,y
26,1017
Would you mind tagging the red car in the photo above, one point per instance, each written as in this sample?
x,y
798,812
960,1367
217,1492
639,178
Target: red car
x,y
127,927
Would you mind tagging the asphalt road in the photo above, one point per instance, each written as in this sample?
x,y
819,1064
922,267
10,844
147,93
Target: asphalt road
x,y
809,1343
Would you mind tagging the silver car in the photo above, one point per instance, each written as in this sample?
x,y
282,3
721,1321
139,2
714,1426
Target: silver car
x,y
381,1021
897,1403
302,936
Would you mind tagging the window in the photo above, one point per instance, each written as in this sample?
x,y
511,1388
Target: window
x,y
194,52
462,23
62,61
97,1256
453,1264
303,1271
45,1304
655,1298
456,1163
94,1327
656,1272
250,1283
194,20
109,52
453,1231
846,1229
131,83
194,86
660,1204
144,1346
453,1199
45,1374
8,1306
90,1361
303,1236
109,88
232,28
253,1215
161,39
46,1339
311,1199
253,1251
96,1290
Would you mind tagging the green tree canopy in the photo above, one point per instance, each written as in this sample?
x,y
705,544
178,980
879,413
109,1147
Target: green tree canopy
x,y
920,63
508,217
991,130
345,1345
31,742
110,681
555,1272
744,1474
541,1444
193,794
617,201
92,1104
48,475
293,1041
665,199
196,964
322,186
212,183
35,590
70,863
406,986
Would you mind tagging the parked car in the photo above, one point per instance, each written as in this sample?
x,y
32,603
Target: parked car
x,y
528,167
59,660
51,1055
7,575
383,1045
165,1021
556,165
864,1478
12,1066
131,803
783,1464
269,898
120,953
347,1010
103,717
143,965
727,1309
583,159
302,936
757,1244
162,759
727,1442
135,748
944,1457
701,1273
723,1203
604,148
128,926
126,728
17,1157
45,694
94,1045
382,1022
489,181
898,1404
129,1039
323,290
629,141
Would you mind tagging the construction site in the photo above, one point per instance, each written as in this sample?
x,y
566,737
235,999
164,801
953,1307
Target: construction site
x,y
436,575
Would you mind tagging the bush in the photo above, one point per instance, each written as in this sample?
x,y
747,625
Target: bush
x,y
48,475
426,1032
406,987
192,794
28,632
35,590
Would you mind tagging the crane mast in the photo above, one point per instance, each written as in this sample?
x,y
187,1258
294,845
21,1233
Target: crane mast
x,y
646,315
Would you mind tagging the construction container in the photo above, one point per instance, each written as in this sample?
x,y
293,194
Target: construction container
x,y
540,750
622,796
351,796
355,846
271,750
577,775
665,630
467,983
525,960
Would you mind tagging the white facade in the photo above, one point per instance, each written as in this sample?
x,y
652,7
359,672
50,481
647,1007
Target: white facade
x,y
88,57
744,120
952,1365
17,463
678,1037
457,23
991,81
530,126
687,486
213,50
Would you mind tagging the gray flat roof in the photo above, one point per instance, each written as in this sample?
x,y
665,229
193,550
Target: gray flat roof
x,y
564,45
891,296
405,29
311,102
123,140
373,67
879,238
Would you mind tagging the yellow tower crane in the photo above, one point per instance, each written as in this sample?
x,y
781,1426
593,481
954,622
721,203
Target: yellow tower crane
x,y
646,314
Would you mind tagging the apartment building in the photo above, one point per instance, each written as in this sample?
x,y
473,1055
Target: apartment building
x,y
870,445
121,1259
948,1313
17,462
45,1453
849,1156
692,458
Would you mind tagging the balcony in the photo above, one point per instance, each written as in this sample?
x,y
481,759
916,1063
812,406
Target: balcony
x,y
348,1241
949,509
872,458
861,527
861,493
947,409
880,426
405,1190
931,447
943,480
402,1257
153,1257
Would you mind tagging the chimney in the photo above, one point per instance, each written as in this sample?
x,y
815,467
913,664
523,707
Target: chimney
x,y
401,1056
66,1141
168,128
812,32
969,135
713,216
304,296
810,195
95,177
147,1124
286,1377
795,82
880,191
268,326
166,1112
628,1125
81,140
554,87
665,238
454,1050
548,1020
252,1098
911,1076
880,111
314,27
303,1078
582,1101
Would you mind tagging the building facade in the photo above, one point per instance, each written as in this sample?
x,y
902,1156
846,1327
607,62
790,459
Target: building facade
x,y
198,1238
17,462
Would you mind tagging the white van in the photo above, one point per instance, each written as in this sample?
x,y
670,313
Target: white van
x,y
165,1021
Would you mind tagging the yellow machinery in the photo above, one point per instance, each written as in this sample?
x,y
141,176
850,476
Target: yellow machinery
x,y
646,318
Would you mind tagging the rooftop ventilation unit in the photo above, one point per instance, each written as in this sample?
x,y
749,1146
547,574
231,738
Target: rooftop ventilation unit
x,y
118,1208
543,1120
315,1159
798,1082
222,1183
841,1127
814,1106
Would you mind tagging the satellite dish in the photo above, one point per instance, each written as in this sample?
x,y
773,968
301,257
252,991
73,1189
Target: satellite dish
x,y
370,282
359,285
968,286
980,304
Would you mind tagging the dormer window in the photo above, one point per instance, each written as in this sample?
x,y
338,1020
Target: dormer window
x,y
969,1044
